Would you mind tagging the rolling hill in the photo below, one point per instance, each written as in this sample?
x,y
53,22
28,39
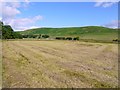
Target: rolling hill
x,y
88,32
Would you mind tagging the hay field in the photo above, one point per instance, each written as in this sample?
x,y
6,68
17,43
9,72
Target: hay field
x,y
59,64
0,64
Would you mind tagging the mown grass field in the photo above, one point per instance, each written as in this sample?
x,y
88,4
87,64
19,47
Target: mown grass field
x,y
0,64
59,64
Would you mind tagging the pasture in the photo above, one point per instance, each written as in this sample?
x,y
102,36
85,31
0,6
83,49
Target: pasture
x,y
59,64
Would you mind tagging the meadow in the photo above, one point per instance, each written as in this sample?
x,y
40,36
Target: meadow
x,y
59,64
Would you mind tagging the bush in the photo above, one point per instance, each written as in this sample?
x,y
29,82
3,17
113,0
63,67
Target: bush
x,y
76,38
45,36
29,36
115,40
25,36
60,38
69,38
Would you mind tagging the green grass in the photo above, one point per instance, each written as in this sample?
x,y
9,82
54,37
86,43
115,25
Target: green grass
x,y
88,32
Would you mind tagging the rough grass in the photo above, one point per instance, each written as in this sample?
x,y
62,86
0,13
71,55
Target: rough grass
x,y
59,64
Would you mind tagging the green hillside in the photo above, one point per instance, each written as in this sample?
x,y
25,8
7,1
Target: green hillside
x,y
88,32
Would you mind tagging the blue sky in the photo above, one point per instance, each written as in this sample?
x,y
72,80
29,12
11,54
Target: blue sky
x,y
61,14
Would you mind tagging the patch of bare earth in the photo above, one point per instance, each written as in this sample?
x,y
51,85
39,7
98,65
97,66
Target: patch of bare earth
x,y
59,64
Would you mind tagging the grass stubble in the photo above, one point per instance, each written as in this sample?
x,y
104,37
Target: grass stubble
x,y
59,64
0,64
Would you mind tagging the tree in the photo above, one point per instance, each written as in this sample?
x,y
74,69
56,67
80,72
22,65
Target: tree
x,y
45,36
76,38
60,38
7,32
17,35
69,38
1,24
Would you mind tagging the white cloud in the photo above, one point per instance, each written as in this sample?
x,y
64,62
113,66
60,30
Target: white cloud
x,y
9,12
23,23
105,3
27,1
0,18
113,24
26,27
11,9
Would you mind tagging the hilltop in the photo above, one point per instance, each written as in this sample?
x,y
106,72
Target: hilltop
x,y
88,32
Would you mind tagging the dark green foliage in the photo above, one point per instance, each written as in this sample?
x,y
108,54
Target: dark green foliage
x,y
116,40
7,32
1,24
69,38
60,38
45,36
76,38
24,36
17,35
38,36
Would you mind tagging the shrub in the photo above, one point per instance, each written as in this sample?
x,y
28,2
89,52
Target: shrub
x,y
45,36
24,36
115,40
60,38
69,38
76,38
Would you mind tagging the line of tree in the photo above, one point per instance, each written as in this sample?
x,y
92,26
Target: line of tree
x,y
38,36
67,38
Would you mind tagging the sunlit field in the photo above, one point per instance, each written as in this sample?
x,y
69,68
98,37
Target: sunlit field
x,y
59,64
0,64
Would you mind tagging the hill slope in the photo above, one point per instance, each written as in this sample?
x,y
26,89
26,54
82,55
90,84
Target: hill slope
x,y
88,32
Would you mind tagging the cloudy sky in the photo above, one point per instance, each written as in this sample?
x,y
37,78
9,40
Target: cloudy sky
x,y
24,15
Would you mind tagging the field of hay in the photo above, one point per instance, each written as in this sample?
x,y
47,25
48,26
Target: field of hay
x,y
0,64
59,64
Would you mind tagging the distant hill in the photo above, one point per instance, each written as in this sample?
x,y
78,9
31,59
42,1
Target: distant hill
x,y
88,32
